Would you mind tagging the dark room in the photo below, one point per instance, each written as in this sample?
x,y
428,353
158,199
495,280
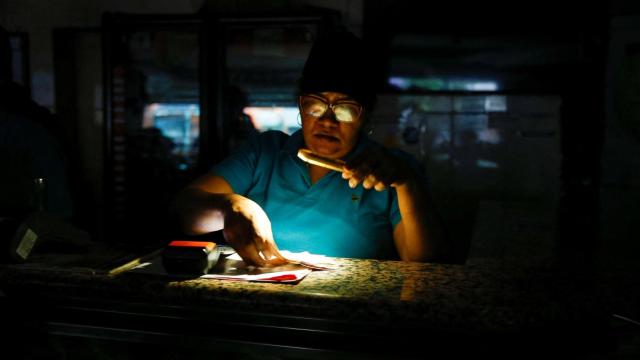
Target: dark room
x,y
319,179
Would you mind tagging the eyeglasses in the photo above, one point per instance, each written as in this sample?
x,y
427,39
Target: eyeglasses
x,y
345,110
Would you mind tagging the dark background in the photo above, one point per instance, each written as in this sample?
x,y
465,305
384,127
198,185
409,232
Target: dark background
x,y
582,57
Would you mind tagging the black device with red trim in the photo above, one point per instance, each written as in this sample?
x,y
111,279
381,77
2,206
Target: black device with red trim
x,y
190,257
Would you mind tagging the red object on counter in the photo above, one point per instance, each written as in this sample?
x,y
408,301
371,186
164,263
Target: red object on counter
x,y
186,243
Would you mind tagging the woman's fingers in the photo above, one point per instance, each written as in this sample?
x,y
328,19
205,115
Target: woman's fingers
x,y
375,179
245,243
250,255
269,250
369,181
375,169
258,251
276,262
248,230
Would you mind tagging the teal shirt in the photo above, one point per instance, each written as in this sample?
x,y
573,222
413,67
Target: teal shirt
x,y
328,217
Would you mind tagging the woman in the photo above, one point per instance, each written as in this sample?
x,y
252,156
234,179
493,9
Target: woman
x,y
377,207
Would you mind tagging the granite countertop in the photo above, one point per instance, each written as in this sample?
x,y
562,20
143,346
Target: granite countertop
x,y
493,297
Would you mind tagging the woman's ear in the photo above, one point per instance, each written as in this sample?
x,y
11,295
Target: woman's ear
x,y
369,128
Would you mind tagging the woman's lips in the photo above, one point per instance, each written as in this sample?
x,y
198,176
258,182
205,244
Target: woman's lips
x,y
326,137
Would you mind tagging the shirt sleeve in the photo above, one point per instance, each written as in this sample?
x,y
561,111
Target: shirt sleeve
x,y
239,168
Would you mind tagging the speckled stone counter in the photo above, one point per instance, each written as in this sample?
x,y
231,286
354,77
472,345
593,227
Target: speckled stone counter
x,y
480,298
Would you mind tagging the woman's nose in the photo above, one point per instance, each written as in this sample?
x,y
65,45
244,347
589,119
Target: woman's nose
x,y
328,118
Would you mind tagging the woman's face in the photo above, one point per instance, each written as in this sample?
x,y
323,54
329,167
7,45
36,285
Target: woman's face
x,y
324,134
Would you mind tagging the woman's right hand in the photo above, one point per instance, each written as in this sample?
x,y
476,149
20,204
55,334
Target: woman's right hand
x,y
248,230
208,204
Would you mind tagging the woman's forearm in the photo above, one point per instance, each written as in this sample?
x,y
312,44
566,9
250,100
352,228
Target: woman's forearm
x,y
419,236
199,211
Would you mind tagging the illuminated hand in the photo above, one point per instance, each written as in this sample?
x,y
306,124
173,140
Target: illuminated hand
x,y
248,230
376,168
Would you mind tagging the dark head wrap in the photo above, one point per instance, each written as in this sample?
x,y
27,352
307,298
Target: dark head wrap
x,y
340,62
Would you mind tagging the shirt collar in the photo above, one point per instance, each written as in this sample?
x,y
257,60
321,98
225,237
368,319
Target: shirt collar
x,y
293,143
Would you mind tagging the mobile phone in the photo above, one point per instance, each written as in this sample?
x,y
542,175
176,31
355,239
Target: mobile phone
x,y
311,158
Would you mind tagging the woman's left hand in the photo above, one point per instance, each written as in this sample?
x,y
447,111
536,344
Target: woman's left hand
x,y
377,168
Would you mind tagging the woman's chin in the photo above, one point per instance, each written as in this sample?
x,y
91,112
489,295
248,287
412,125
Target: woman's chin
x,y
327,150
